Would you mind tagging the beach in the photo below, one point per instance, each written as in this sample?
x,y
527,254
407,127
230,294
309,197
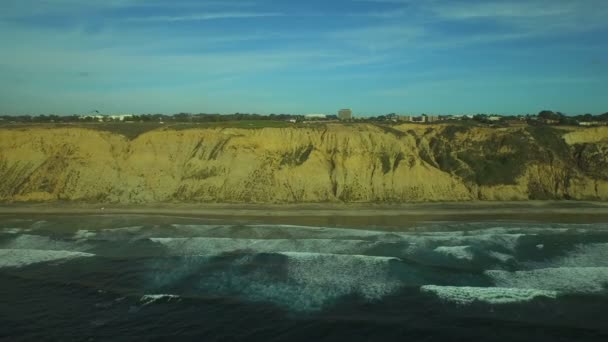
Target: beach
x,y
399,216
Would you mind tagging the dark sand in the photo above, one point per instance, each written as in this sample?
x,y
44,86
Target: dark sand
x,y
333,214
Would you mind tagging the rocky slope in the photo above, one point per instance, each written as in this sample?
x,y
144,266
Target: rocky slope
x,y
348,163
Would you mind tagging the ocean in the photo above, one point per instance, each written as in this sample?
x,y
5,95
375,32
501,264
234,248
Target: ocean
x,y
130,277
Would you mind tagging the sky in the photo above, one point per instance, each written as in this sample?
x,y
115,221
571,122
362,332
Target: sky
x,y
313,56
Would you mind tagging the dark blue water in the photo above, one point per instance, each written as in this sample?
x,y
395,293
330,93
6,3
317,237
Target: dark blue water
x,y
114,278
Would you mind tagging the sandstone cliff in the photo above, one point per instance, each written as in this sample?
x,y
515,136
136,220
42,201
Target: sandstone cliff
x,y
348,163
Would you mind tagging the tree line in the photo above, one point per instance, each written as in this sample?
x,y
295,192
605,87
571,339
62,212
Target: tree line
x,y
543,116
546,116
180,117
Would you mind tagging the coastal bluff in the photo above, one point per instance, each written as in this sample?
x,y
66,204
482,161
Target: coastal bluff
x,y
351,163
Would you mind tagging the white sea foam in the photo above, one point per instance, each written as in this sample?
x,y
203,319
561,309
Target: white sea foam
x,y
365,275
491,238
214,246
457,252
84,234
562,279
501,256
454,239
506,241
24,257
14,230
331,231
133,229
39,242
490,295
149,299
280,231
308,281
584,255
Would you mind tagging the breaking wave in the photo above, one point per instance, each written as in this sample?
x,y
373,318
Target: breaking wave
x,y
588,255
38,242
298,281
214,246
84,234
14,230
278,232
457,252
562,279
149,299
24,257
490,295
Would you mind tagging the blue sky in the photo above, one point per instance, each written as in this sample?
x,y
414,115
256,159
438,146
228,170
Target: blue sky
x,y
314,56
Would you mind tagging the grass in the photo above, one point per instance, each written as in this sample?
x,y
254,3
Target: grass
x,y
129,130
246,124
135,129
551,139
483,164
297,157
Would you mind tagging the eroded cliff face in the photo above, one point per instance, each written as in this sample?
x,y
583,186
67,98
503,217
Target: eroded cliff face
x,y
348,163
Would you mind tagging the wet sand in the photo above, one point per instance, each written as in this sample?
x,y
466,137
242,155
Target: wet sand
x,y
332,214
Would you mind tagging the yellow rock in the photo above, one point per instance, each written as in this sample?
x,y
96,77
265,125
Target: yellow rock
x,y
348,163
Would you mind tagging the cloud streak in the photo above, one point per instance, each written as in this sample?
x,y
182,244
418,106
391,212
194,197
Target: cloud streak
x,y
207,16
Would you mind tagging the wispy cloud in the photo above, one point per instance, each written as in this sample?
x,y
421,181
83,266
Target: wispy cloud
x,y
511,9
379,37
207,16
488,80
24,8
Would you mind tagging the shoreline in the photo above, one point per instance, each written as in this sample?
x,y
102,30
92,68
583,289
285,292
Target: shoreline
x,y
315,209
337,214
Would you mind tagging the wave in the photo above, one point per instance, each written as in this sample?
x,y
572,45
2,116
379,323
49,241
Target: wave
x,y
278,232
491,295
24,257
506,227
39,242
132,229
215,246
584,255
149,299
482,241
456,252
365,275
562,279
110,234
502,257
299,281
84,234
14,231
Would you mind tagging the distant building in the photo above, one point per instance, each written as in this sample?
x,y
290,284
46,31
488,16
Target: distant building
x,y
494,118
315,116
591,123
121,117
432,118
345,114
410,118
392,117
550,121
103,118
422,118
